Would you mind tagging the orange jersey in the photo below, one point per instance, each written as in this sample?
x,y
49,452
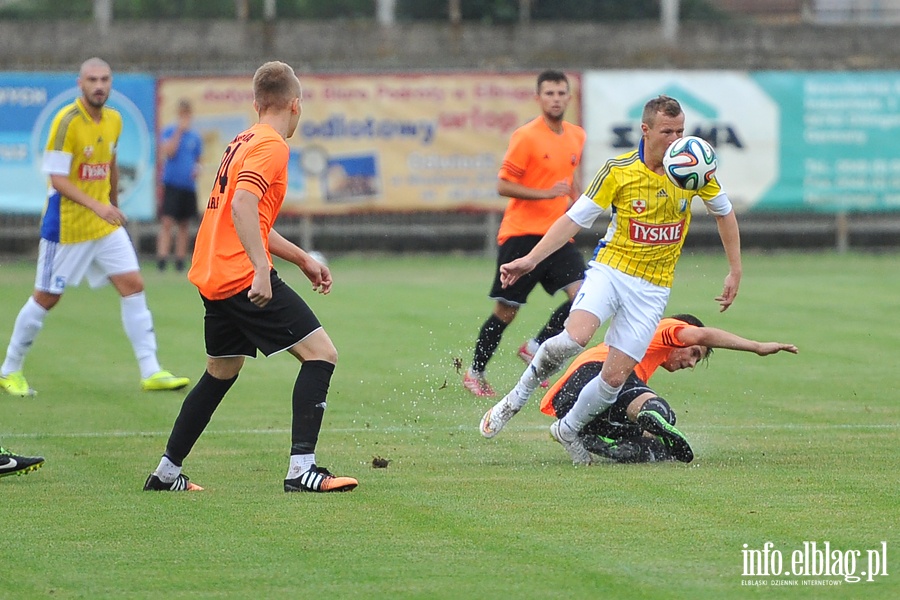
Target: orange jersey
x,y
664,341
539,158
255,161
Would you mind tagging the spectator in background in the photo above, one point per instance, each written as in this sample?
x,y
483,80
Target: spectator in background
x,y
181,146
82,233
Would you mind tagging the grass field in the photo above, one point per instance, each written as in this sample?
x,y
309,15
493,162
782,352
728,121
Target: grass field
x,y
790,449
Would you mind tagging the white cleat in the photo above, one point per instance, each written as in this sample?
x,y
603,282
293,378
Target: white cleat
x,y
496,417
575,446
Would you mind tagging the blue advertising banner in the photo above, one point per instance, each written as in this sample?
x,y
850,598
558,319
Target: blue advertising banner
x,y
28,102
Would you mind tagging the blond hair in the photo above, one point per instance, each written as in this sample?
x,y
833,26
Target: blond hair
x,y
275,85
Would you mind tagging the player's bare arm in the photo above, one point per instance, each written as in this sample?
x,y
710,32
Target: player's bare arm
x,y
731,241
114,181
108,212
511,189
712,337
245,213
558,234
316,272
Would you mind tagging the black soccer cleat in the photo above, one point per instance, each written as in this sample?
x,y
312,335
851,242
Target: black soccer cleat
x,y
319,479
13,464
652,421
182,483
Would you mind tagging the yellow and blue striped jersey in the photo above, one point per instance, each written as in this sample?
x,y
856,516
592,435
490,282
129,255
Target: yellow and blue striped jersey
x,y
84,150
649,217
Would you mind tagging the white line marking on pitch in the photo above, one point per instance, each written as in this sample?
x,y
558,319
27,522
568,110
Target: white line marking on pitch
x,y
419,431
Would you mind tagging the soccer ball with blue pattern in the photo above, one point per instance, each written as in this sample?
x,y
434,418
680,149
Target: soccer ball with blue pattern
x,y
690,162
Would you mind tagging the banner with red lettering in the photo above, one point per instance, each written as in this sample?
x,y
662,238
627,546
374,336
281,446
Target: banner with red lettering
x,y
377,142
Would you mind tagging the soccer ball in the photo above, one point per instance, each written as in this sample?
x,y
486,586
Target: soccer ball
x,y
690,162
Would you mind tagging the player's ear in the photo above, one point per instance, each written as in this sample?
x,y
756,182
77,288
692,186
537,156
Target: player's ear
x,y
296,107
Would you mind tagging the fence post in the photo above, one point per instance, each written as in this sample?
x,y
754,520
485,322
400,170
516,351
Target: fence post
x,y
306,232
842,231
491,224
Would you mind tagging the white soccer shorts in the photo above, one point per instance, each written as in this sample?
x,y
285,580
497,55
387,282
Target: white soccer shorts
x,y
632,306
63,265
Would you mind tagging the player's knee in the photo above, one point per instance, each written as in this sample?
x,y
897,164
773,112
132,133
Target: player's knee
x,y
658,404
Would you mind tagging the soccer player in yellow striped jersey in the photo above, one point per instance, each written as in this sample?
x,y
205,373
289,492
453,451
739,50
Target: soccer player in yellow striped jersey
x,y
630,277
82,234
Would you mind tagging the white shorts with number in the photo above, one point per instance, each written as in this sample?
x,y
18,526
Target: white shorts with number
x,y
63,265
632,306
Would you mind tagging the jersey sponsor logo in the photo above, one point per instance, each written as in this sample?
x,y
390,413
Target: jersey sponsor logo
x,y
94,172
653,234
638,205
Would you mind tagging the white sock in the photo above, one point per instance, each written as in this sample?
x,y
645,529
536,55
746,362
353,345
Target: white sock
x,y
28,324
167,471
300,464
138,324
550,356
593,399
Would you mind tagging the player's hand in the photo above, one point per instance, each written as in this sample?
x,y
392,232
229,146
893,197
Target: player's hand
x,y
767,348
561,188
511,272
729,292
318,274
261,289
111,214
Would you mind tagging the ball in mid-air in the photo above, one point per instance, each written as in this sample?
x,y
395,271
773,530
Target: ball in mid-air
x,y
690,162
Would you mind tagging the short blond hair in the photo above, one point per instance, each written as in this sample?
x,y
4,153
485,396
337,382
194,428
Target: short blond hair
x,y
275,85
661,104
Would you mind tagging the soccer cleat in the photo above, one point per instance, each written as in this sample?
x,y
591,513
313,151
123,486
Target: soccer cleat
x,y
13,464
164,380
674,440
575,446
15,384
496,417
527,355
182,483
319,479
478,385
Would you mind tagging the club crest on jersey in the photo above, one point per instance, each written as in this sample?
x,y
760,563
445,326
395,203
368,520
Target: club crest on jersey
x,y
655,234
88,151
574,160
638,205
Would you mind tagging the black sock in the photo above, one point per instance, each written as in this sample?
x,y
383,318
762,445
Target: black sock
x,y
196,411
555,324
488,340
308,401
179,265
161,264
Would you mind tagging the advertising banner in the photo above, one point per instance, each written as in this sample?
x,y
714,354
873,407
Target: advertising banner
x,y
377,142
28,103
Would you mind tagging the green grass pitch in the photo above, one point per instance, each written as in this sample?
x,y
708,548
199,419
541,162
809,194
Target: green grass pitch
x,y
790,449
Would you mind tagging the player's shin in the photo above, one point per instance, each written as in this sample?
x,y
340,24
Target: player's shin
x,y
551,355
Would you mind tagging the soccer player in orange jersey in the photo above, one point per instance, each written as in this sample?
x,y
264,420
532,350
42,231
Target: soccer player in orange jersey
x,y
630,277
248,307
640,425
540,177
82,233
